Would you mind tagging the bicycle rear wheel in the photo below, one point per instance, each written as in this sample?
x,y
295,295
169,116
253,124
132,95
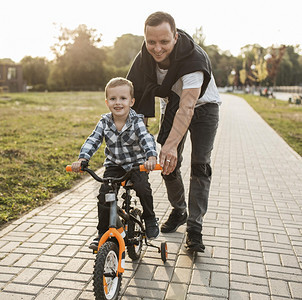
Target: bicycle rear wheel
x,y
135,237
106,283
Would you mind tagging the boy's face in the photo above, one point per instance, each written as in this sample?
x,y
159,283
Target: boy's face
x,y
119,100
160,42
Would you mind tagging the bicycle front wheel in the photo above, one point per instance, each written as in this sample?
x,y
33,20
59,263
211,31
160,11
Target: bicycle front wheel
x,y
106,283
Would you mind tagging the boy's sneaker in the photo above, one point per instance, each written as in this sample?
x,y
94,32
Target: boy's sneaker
x,y
194,241
175,220
95,243
152,230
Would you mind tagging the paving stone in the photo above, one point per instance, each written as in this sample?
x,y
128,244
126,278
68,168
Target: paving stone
x,y
256,270
68,294
272,258
237,295
43,277
14,296
207,291
182,275
256,296
48,293
10,259
144,293
200,277
89,296
296,289
279,288
220,280
163,273
177,291
153,284
145,272
249,287
22,288
26,275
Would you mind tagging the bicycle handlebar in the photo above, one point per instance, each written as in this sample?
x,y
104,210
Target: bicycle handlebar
x,y
85,168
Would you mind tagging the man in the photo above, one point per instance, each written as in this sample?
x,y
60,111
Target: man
x,y
173,67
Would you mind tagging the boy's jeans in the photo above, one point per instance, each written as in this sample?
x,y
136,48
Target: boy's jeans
x,y
142,188
202,129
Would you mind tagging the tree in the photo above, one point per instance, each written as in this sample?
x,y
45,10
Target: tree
x,y
35,72
273,62
79,63
124,50
199,37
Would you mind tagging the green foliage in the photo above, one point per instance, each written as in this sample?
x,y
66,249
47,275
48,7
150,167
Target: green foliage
x,y
124,50
35,72
80,67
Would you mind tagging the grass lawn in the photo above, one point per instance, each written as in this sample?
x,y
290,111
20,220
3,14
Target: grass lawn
x,y
284,118
41,133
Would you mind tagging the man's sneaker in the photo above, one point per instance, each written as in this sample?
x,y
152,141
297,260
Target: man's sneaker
x,y
194,242
152,230
175,219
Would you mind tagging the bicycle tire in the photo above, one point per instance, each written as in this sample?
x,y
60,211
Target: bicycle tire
x,y
163,251
106,263
134,231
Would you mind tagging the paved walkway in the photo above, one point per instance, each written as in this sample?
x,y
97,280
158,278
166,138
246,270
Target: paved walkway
x,y
252,230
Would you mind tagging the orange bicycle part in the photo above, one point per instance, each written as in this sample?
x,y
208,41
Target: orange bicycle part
x,y
113,232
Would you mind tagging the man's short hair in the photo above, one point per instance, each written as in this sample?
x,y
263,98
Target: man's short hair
x,y
158,18
119,81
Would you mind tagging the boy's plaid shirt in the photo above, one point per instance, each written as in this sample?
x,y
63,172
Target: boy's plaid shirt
x,y
131,146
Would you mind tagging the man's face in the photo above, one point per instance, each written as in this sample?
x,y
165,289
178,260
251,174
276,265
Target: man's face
x,y
160,42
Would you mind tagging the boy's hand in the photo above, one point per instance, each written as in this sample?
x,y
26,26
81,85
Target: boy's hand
x,y
150,163
76,166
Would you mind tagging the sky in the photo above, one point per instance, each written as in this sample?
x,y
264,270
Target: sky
x,y
31,27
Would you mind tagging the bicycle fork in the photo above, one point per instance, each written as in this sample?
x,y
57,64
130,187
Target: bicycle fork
x,y
114,232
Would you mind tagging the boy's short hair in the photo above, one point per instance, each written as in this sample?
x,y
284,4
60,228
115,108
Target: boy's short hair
x,y
119,81
158,18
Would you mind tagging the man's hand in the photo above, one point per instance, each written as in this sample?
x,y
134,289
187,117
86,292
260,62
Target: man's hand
x,y
168,159
150,163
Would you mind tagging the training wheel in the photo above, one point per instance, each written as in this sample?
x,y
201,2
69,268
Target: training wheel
x,y
164,251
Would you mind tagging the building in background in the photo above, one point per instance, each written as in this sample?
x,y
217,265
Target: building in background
x,y
11,78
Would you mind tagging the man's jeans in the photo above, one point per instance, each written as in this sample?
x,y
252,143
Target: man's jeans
x,y
202,129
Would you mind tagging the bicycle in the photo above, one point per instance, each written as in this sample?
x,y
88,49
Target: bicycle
x,y
110,256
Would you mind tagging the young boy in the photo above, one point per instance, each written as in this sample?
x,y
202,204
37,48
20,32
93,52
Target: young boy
x,y
128,144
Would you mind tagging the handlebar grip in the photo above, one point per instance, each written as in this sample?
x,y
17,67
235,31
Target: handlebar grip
x,y
143,169
68,168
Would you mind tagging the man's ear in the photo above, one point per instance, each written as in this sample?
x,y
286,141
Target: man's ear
x,y
176,36
132,102
106,101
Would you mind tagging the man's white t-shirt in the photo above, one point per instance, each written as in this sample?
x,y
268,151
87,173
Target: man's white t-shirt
x,y
190,81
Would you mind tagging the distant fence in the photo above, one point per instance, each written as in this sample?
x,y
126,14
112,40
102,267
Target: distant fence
x,y
288,89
